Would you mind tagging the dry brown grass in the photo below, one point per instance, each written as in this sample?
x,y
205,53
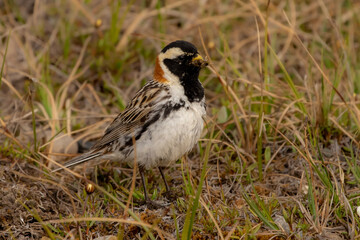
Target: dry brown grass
x,y
282,137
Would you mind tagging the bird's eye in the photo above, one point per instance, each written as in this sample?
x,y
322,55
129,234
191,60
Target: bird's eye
x,y
181,57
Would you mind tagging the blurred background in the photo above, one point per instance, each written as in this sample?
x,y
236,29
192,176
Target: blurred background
x,y
282,136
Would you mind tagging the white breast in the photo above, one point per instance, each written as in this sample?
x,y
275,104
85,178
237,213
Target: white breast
x,y
167,140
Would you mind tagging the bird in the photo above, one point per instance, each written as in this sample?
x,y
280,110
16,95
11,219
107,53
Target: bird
x,y
162,122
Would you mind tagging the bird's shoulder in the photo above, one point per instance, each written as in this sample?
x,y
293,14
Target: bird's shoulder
x,y
138,111
144,101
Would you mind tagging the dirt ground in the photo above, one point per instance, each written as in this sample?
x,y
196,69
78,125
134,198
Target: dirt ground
x,y
28,193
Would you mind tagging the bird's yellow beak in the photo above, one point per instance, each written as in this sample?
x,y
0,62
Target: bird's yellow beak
x,y
198,57
199,61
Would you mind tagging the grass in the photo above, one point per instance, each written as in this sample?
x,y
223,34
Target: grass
x,y
278,158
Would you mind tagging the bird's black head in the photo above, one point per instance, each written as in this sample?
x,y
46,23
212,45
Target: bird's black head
x,y
183,60
186,47
182,57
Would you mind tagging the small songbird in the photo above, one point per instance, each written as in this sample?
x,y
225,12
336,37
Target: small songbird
x,y
164,120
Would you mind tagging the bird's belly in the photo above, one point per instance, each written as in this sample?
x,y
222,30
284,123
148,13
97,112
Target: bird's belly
x,y
167,140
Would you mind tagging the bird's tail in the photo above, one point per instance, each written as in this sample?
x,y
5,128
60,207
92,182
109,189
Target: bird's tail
x,y
79,159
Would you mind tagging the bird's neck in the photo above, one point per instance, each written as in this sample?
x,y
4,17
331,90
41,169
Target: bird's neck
x,y
159,73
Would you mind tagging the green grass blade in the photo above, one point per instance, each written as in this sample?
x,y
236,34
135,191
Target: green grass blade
x,y
4,58
38,218
261,213
289,81
191,212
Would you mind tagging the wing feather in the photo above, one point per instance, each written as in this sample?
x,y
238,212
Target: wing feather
x,y
135,115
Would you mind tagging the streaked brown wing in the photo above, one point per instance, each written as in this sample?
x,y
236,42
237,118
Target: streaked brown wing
x,y
127,123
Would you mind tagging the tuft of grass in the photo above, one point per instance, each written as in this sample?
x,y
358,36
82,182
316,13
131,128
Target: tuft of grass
x,y
260,209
